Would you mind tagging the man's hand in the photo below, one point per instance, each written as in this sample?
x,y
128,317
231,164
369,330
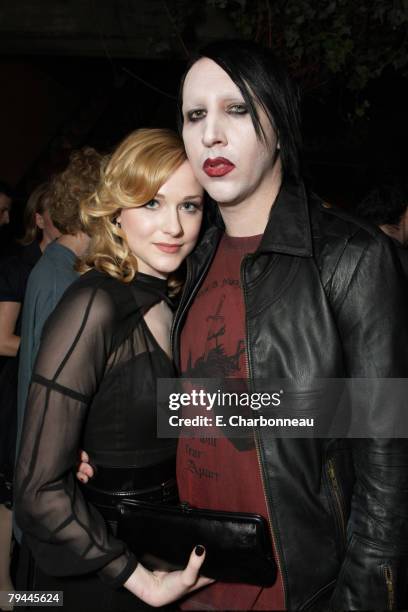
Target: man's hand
x,y
160,588
85,469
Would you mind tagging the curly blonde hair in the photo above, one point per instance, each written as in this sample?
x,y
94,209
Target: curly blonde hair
x,y
68,188
139,166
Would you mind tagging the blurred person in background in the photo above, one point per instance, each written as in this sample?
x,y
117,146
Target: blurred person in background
x,y
5,203
14,272
386,205
55,270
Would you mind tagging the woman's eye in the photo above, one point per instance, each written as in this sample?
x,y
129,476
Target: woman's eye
x,y
238,109
190,206
152,205
195,115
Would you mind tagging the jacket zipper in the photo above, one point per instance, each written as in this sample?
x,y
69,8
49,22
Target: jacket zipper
x,y
337,496
389,581
268,501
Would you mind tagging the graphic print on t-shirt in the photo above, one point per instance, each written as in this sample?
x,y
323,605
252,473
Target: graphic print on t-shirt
x,y
215,361
213,338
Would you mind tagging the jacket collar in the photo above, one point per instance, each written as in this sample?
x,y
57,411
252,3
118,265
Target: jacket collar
x,y
288,229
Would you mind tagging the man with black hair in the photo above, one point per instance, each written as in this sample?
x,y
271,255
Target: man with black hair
x,y
284,287
386,205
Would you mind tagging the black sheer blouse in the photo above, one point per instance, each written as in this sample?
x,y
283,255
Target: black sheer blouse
x,y
93,386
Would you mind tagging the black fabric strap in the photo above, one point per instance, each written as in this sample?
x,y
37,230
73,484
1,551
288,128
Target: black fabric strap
x,y
60,388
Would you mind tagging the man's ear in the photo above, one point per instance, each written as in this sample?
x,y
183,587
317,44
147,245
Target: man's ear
x,y
39,221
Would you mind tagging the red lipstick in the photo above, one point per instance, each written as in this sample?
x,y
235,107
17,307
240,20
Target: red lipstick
x,y
217,166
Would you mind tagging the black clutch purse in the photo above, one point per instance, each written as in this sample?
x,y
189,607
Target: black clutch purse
x,y
238,545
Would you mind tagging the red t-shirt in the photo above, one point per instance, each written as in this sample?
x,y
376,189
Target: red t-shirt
x,y
220,473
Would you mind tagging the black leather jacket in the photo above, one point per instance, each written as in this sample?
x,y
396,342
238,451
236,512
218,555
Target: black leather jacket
x,y
324,295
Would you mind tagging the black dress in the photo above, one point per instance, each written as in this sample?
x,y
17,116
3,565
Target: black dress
x,y
93,387
14,273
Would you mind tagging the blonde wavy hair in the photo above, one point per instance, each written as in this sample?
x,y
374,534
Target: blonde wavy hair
x,y
139,166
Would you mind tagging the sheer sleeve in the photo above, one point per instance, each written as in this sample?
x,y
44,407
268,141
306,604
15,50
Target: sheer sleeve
x,y
65,534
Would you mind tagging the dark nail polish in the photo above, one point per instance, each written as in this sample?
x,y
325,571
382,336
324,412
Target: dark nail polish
x,y
199,550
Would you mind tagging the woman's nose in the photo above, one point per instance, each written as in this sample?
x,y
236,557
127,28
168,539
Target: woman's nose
x,y
171,224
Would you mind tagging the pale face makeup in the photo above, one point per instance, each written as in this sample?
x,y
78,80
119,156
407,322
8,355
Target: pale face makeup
x,y
232,163
165,230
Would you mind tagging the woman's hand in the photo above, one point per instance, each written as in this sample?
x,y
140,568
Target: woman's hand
x,y
157,588
160,588
85,469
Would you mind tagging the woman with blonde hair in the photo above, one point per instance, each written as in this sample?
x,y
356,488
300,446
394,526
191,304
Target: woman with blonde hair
x,y
94,384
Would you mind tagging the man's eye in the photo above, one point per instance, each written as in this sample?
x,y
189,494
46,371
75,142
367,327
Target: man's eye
x,y
238,109
152,205
195,115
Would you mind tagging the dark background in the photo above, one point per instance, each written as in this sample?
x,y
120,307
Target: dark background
x,y
76,72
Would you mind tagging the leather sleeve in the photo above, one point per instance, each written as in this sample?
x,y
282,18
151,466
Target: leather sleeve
x,y
370,302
